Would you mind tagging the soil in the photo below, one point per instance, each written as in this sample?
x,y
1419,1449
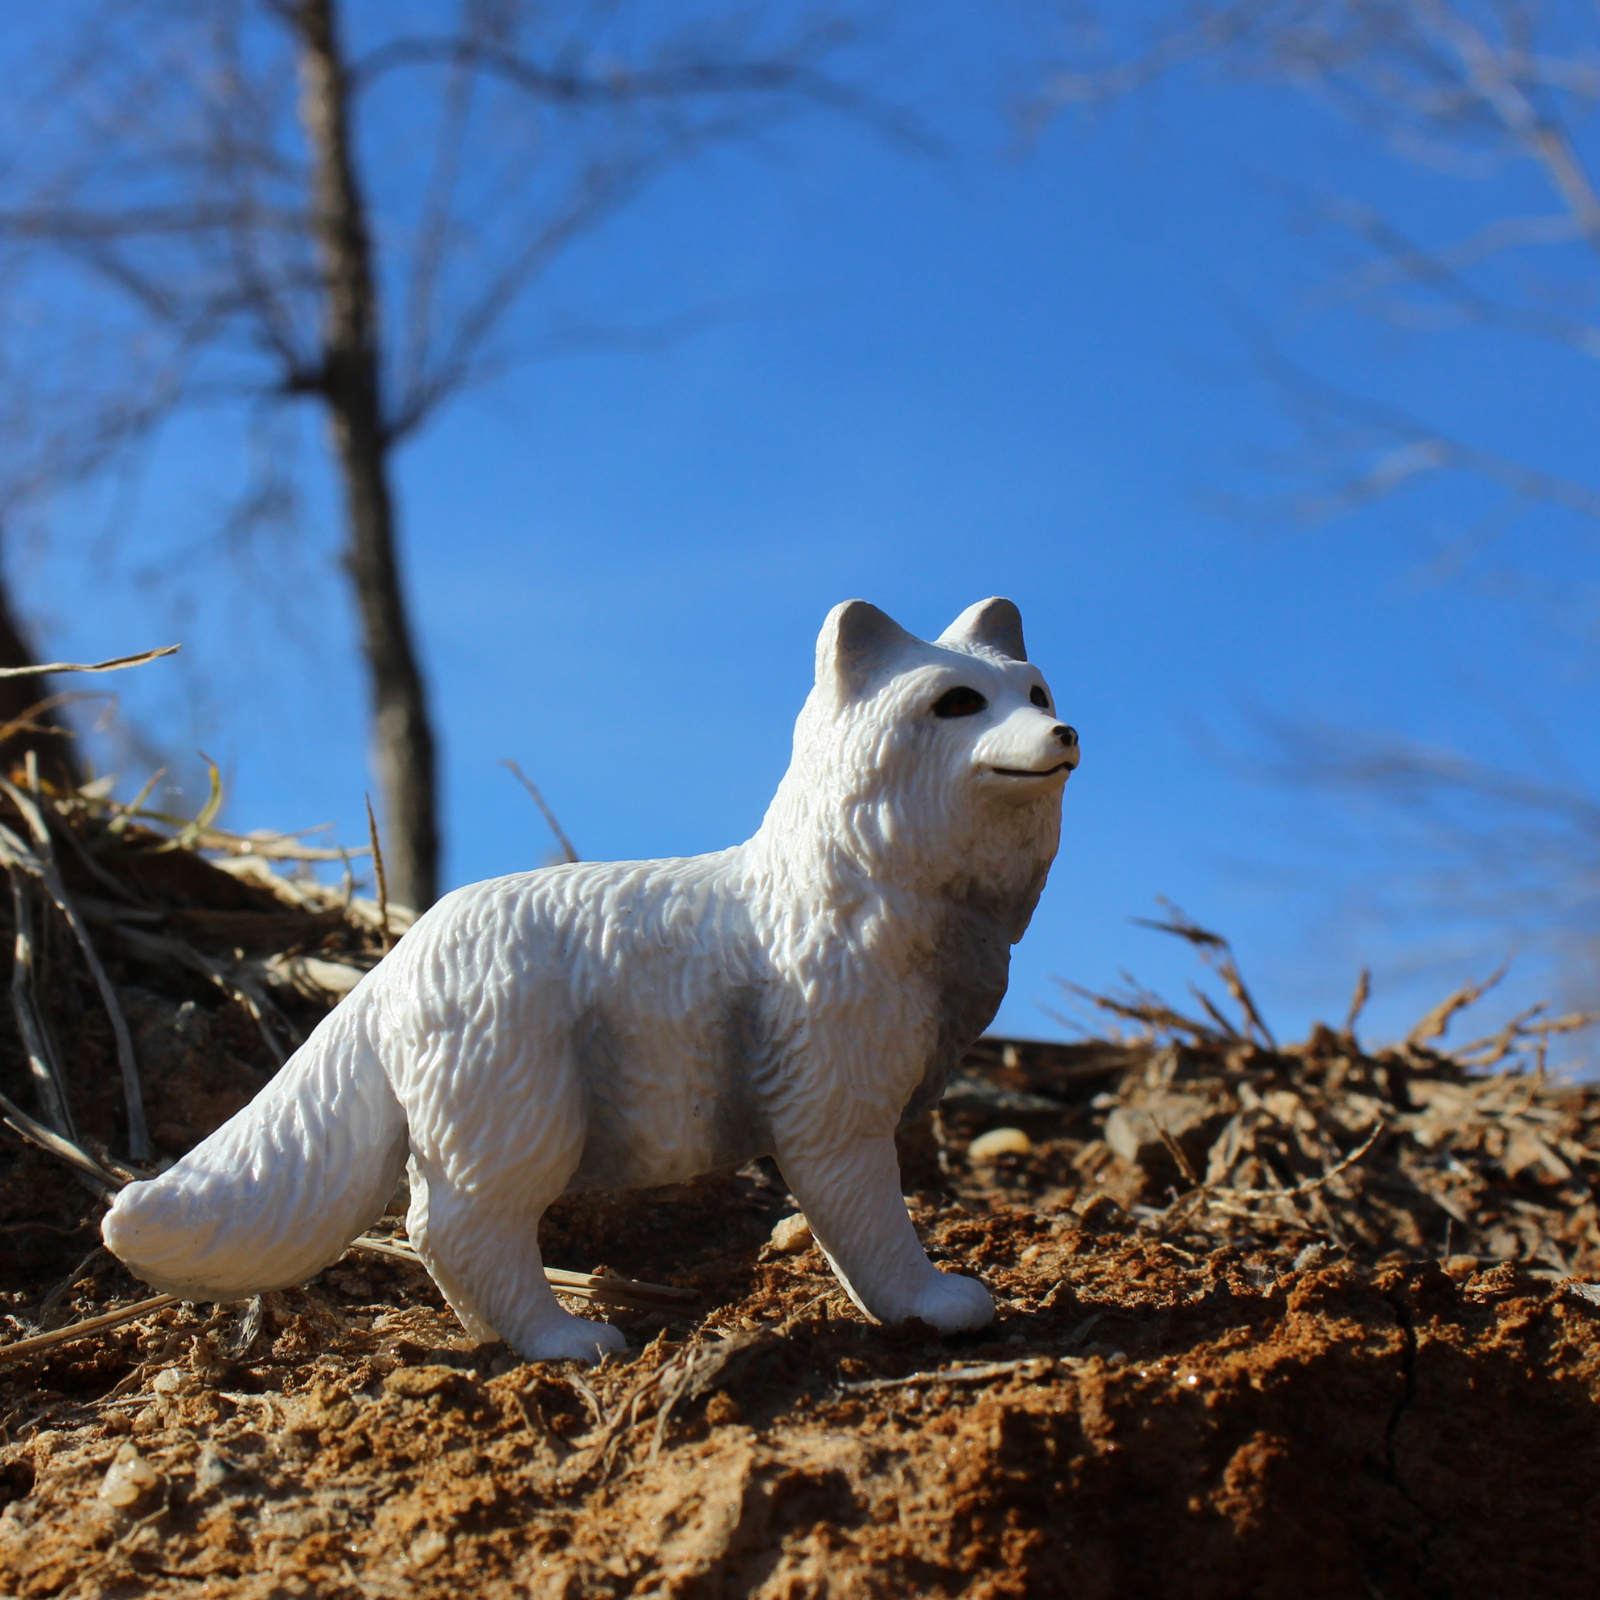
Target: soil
x,y
1217,1371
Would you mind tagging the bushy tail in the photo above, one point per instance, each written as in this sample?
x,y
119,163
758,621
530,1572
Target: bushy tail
x,y
278,1191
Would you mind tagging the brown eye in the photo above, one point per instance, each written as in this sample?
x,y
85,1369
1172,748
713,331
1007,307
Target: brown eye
x,y
1039,697
959,703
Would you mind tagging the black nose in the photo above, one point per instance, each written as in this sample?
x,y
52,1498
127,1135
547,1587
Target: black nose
x,y
1067,735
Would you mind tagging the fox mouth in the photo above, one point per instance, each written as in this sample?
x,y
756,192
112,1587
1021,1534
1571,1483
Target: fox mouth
x,y
1023,772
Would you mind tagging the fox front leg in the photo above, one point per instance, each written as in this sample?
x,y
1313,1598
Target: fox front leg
x,y
851,1198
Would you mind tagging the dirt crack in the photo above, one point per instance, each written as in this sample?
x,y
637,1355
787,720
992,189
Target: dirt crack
x,y
1391,1432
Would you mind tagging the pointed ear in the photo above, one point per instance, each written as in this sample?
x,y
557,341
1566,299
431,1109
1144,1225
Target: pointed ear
x,y
856,642
996,624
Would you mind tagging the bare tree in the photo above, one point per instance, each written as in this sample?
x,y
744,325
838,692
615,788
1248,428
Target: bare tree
x,y
1488,106
278,201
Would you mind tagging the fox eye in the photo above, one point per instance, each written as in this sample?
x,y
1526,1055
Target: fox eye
x,y
959,703
1039,697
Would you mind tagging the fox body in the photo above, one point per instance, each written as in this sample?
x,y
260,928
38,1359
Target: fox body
x,y
635,1023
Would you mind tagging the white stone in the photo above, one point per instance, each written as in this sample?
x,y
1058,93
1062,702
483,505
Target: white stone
x,y
427,1547
792,1234
999,1142
626,1024
128,1479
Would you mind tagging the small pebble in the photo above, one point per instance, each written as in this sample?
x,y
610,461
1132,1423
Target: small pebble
x,y
428,1546
999,1142
722,1409
791,1235
128,1479
214,1469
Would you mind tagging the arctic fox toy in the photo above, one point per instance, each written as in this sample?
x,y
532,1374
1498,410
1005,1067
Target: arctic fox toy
x,y
626,1024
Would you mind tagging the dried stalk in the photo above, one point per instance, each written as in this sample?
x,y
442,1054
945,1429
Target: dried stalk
x,y
1358,1003
568,854
1434,1024
82,1330
630,1292
116,664
43,866
385,933
42,1061
105,1182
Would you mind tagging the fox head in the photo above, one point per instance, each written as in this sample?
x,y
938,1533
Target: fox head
x,y
931,765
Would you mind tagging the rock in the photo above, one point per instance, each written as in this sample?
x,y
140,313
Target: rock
x,y
129,1479
999,1142
792,1235
1134,1132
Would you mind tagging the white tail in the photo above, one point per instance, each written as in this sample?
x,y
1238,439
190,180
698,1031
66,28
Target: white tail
x,y
280,1189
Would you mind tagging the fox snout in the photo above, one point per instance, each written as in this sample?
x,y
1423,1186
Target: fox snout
x,y
1028,746
1068,735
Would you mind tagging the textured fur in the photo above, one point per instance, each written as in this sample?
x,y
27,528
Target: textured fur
x,y
635,1023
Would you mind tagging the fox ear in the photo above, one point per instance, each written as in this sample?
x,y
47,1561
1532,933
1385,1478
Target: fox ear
x,y
856,642
996,624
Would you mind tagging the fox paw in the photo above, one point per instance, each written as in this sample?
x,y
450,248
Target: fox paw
x,y
952,1304
571,1339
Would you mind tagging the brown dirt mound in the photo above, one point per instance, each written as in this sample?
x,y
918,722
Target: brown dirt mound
x,y
1218,1370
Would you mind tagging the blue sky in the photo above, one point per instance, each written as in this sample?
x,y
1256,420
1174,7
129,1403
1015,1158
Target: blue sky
x,y
1012,370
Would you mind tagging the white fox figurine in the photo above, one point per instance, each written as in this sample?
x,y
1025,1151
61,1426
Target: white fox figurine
x,y
626,1024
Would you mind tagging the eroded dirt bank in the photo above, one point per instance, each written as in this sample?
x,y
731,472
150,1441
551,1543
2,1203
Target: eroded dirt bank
x,y
1142,1421
1318,1320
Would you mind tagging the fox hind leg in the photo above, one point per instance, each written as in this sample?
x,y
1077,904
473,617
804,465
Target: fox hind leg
x,y
483,1251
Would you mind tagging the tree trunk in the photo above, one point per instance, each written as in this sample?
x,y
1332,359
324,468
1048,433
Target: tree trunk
x,y
351,387
58,764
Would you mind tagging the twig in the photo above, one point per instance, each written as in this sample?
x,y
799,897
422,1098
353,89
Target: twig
x,y
568,853
1358,1002
81,1330
629,1292
1434,1024
1217,954
116,664
1180,1155
383,881
1150,1011
1034,1366
632,1292
1310,1183
47,1306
